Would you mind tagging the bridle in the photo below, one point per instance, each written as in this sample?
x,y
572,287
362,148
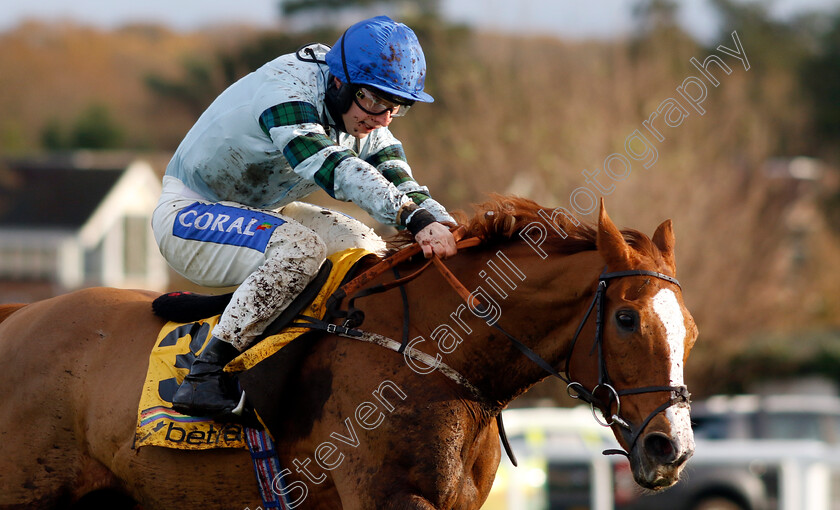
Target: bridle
x,y
679,394
357,287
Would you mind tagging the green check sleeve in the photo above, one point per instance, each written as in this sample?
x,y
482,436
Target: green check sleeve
x,y
304,146
310,153
325,176
390,153
321,156
288,114
392,163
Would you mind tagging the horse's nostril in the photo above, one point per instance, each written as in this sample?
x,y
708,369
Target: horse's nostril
x,y
661,448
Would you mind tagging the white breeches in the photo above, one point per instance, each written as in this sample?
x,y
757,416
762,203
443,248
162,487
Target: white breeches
x,y
271,255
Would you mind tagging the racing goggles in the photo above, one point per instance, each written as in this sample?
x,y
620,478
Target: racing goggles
x,y
374,105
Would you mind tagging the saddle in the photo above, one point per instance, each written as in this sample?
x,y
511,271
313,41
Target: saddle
x,y
191,319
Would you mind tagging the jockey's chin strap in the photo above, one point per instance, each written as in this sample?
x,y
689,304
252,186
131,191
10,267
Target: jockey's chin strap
x,y
354,317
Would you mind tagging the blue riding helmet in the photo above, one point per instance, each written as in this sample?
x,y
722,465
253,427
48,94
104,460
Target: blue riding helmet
x,y
383,54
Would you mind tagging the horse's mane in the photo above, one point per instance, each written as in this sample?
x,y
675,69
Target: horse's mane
x,y
501,218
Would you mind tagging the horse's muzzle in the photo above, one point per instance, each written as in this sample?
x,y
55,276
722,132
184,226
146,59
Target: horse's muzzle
x,y
658,459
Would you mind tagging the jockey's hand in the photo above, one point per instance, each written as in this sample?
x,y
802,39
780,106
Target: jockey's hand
x,y
436,239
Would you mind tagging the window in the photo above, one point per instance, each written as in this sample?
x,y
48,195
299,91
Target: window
x,y
135,247
23,261
93,265
793,426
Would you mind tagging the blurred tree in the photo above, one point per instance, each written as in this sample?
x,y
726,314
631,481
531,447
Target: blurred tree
x,y
95,128
652,15
195,90
12,139
820,77
267,47
777,356
775,50
772,44
659,33
53,137
202,81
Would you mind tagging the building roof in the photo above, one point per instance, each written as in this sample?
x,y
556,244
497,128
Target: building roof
x,y
57,192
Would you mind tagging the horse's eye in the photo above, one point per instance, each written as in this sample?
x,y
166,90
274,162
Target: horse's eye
x,y
626,319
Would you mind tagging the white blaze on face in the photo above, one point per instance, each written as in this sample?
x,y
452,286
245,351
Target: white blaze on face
x,y
668,310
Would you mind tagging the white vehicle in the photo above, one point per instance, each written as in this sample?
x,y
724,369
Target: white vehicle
x,y
561,466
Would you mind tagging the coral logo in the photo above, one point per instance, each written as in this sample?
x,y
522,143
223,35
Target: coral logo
x,y
222,224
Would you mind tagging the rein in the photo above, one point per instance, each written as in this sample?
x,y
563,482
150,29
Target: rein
x,y
356,288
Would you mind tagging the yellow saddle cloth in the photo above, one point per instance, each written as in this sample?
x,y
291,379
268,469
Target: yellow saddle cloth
x,y
177,346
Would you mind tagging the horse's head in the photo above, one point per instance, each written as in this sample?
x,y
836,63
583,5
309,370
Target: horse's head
x,y
646,334
625,342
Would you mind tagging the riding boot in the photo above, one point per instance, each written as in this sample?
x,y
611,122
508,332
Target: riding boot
x,y
207,390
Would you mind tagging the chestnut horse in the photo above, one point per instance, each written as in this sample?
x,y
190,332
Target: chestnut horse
x,y
367,427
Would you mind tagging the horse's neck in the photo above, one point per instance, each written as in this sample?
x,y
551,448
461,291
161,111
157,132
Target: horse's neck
x,y
542,311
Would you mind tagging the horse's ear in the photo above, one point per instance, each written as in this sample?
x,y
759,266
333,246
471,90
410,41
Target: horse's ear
x,y
663,238
611,244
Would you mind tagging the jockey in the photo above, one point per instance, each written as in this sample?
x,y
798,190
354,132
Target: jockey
x,y
229,212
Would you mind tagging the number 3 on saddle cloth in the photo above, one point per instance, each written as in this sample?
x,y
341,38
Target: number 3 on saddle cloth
x,y
178,343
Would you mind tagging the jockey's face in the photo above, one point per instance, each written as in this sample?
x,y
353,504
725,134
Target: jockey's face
x,y
360,123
